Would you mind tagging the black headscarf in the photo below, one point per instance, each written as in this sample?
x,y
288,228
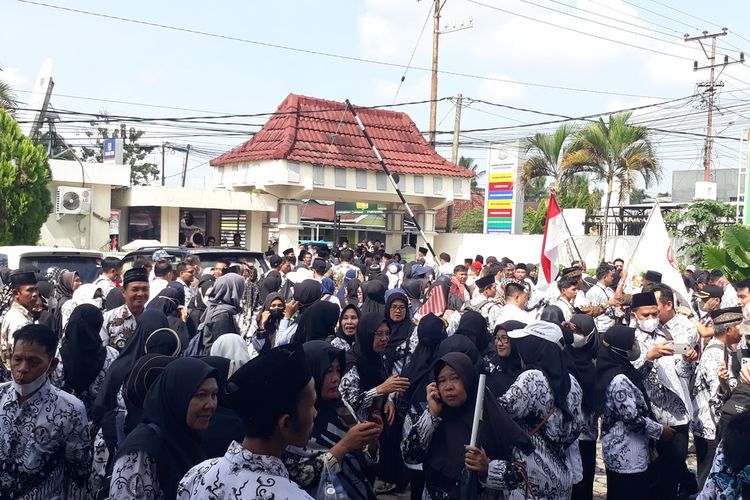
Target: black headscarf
x,y
373,299
114,299
270,284
431,332
462,344
504,371
473,324
164,341
352,289
82,352
498,433
317,322
540,354
307,292
349,339
580,360
135,348
168,301
226,426
64,286
610,363
144,374
413,289
175,447
370,365
553,314
401,330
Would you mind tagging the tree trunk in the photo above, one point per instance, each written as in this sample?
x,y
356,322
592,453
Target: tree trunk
x,y
603,247
449,218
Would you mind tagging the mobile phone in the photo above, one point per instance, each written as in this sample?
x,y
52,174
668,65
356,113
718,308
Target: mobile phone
x,y
745,361
680,348
377,405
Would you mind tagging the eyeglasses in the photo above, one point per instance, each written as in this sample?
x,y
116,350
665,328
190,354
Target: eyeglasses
x,y
382,333
398,308
502,340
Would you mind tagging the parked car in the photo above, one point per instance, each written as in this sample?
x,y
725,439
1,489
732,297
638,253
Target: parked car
x,y
208,256
87,263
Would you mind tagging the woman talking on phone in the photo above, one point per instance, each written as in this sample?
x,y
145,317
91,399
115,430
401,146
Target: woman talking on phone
x,y
438,437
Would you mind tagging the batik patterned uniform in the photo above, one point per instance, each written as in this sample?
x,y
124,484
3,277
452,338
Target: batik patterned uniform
x,y
666,380
44,445
528,401
490,309
708,394
119,324
240,473
598,295
723,482
134,476
89,395
16,318
360,401
627,428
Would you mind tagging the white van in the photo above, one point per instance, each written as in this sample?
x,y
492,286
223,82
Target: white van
x,y
87,263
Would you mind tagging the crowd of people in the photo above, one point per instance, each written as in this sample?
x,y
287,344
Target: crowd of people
x,y
353,372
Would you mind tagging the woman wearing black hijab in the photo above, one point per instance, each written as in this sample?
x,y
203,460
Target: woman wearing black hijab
x,y
337,437
266,323
144,374
168,301
628,424
167,443
366,383
580,356
439,437
316,322
373,293
462,344
346,331
474,326
226,426
400,343
84,361
503,368
413,288
545,400
353,293
430,332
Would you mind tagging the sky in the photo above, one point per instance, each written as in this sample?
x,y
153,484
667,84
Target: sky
x,y
561,57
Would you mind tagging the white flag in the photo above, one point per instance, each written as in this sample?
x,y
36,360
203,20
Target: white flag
x,y
555,235
653,252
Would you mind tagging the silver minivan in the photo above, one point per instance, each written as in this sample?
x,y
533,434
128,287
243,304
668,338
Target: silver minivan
x,y
87,263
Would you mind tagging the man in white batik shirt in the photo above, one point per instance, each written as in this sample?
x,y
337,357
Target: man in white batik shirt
x,y
120,323
25,294
486,303
253,469
666,375
45,451
602,294
714,381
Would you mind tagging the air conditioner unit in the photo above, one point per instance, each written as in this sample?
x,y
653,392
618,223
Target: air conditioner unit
x,y
72,200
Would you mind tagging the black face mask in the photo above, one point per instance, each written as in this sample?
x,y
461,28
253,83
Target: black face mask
x,y
277,313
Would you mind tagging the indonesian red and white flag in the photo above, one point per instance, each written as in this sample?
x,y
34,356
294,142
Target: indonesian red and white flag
x,y
653,252
556,235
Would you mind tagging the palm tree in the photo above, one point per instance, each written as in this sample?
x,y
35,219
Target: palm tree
x,y
548,153
469,163
614,151
7,96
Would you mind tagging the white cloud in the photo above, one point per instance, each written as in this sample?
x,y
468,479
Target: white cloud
x,y
14,78
497,91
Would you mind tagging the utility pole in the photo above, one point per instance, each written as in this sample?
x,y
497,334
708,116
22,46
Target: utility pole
x,y
433,87
162,163
184,166
710,87
454,159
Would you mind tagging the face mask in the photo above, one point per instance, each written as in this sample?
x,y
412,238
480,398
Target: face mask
x,y
648,325
24,390
277,313
579,340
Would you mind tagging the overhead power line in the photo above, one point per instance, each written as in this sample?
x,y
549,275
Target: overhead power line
x,y
342,56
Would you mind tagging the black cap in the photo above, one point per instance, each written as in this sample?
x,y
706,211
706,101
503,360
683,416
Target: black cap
x,y
571,272
319,266
521,265
643,299
422,250
268,253
274,378
20,278
275,261
288,251
726,315
485,282
710,292
652,276
134,274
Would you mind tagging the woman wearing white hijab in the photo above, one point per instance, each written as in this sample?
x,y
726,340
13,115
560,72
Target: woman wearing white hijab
x,y
232,347
84,294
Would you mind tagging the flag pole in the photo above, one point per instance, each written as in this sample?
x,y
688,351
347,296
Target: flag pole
x,y
572,239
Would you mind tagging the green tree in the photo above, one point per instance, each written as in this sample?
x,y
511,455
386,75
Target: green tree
x,y
7,95
24,175
536,189
637,196
470,222
614,151
574,193
548,152
700,224
471,165
141,172
731,256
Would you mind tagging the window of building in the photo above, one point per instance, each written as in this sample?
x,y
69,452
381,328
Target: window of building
x,y
319,175
380,181
144,223
361,179
437,185
419,184
339,177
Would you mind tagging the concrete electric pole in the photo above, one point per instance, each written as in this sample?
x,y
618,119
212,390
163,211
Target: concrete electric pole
x,y
710,87
454,159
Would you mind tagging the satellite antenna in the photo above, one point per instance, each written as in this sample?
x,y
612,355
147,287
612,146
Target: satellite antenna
x,y
39,100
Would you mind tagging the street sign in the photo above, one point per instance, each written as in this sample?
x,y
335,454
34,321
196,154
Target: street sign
x,y
112,152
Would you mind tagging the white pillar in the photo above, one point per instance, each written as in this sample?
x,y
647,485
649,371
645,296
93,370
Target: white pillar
x,y
290,213
256,231
394,229
170,226
426,220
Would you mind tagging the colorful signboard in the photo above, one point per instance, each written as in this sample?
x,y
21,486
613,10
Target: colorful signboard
x,y
501,214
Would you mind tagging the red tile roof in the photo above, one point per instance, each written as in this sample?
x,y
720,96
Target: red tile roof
x,y
320,132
